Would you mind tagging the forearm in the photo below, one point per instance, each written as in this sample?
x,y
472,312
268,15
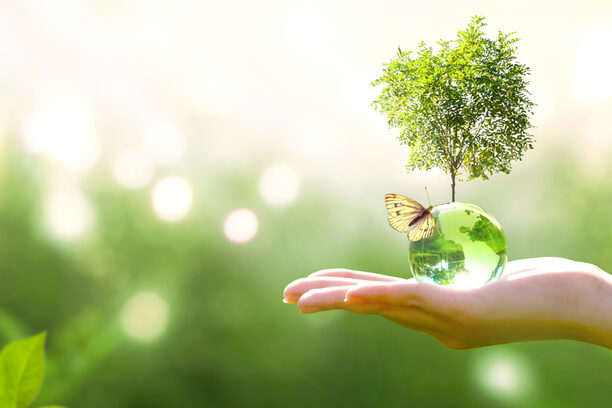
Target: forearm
x,y
599,332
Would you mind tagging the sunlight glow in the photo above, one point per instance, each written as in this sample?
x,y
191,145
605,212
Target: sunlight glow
x,y
151,36
544,108
468,280
213,93
61,11
380,127
165,142
67,213
64,131
358,94
429,174
172,198
144,316
591,80
279,184
133,169
241,226
306,28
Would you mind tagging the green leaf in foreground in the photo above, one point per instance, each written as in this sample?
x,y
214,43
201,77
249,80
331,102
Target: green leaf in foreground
x,y
22,369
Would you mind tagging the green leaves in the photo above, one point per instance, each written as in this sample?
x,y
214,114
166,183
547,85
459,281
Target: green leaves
x,y
22,369
463,107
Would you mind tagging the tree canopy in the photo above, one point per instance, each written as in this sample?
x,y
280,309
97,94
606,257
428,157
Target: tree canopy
x,y
463,107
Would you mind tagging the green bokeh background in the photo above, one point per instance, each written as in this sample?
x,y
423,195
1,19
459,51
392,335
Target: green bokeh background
x,y
230,341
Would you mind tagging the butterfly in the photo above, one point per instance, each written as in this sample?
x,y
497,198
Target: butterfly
x,y
406,215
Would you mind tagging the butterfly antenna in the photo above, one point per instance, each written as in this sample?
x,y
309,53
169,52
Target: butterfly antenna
x,y
427,192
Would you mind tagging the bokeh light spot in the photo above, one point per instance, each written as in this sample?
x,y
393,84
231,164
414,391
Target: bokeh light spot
x,y
172,198
144,316
279,184
63,130
241,226
68,214
133,169
504,375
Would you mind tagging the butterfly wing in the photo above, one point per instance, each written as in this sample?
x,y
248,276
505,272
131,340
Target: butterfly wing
x,y
423,228
402,211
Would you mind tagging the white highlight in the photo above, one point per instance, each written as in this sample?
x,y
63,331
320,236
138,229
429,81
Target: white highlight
x,y
279,184
544,108
358,94
63,130
306,28
429,174
468,280
172,198
523,275
591,80
504,375
67,213
144,316
213,93
60,11
133,169
152,37
241,226
165,142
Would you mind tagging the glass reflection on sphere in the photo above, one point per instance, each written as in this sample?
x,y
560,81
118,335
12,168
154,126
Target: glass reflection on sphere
x,y
467,249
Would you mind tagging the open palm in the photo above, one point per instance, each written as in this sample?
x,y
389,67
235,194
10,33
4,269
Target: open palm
x,y
536,299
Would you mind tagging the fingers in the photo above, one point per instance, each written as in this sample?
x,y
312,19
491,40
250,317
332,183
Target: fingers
x,y
547,263
346,273
393,293
329,278
520,265
415,319
297,288
438,300
317,300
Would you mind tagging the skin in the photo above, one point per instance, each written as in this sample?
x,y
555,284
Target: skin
x,y
536,299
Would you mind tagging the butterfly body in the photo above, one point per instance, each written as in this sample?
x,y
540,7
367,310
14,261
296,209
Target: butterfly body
x,y
407,215
420,217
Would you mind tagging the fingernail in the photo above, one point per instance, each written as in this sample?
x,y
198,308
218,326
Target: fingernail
x,y
309,309
290,299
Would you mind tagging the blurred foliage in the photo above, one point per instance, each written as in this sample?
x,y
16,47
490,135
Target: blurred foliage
x,y
230,342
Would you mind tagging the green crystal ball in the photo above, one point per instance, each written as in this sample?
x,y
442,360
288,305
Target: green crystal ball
x,y
467,249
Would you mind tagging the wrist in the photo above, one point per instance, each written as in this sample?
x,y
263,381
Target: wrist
x,y
598,329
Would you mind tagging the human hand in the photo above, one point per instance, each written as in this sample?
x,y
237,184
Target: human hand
x,y
536,299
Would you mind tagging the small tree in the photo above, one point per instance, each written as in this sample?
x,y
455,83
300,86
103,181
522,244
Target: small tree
x,y
464,108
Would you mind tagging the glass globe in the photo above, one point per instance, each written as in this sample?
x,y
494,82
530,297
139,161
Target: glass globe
x,y
467,249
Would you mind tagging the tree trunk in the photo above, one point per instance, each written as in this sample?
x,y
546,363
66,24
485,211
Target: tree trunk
x,y
453,184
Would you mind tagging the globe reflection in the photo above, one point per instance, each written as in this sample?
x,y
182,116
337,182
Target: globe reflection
x,y
467,249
